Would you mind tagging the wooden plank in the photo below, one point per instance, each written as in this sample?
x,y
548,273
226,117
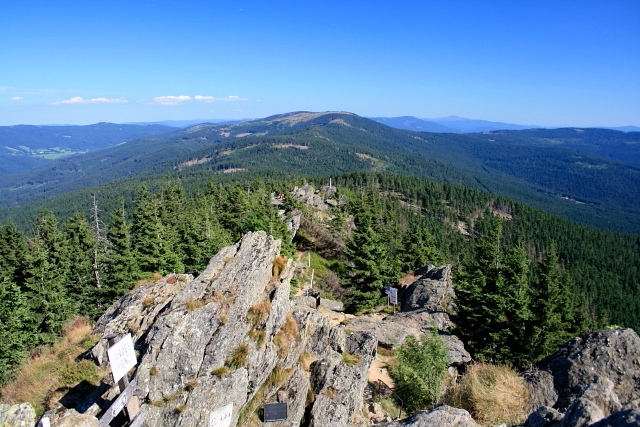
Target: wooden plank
x,y
137,422
118,404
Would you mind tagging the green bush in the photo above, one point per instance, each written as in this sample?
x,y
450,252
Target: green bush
x,y
419,370
73,372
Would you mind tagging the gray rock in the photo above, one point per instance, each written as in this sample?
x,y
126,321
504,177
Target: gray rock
x,y
613,354
542,417
20,415
71,418
232,336
432,292
339,386
626,417
597,401
540,386
442,416
293,223
393,330
328,304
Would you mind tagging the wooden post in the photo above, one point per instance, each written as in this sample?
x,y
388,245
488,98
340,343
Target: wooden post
x,y
133,407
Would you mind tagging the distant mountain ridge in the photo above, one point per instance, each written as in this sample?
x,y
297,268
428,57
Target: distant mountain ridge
x,y
562,177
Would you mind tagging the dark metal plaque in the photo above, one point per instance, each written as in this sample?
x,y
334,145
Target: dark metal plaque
x,y
275,412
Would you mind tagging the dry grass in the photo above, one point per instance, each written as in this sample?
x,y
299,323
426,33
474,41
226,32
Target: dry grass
x,y
147,301
77,330
220,372
190,385
193,305
278,265
53,370
216,297
288,333
492,394
306,359
259,312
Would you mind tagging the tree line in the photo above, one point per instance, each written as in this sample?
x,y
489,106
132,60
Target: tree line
x,y
526,281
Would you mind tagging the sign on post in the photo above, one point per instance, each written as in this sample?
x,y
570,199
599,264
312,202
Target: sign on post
x,y
221,417
122,357
118,404
393,296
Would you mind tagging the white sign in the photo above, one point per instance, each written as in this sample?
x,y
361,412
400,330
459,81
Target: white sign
x,y
122,357
221,417
393,296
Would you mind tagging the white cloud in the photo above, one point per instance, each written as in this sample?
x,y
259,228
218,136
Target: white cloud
x,y
17,98
80,100
232,98
212,99
177,100
171,100
204,98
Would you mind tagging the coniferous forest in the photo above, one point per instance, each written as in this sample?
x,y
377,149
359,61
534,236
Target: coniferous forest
x,y
526,281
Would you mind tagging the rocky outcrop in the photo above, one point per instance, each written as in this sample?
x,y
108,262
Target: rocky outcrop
x,y
595,380
20,415
426,304
231,336
442,416
613,354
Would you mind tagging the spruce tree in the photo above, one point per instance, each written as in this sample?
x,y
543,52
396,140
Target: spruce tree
x,y
368,266
493,301
151,248
558,312
121,266
13,253
47,276
16,333
82,277
417,249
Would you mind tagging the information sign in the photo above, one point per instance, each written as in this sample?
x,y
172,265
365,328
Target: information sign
x,y
393,296
122,357
221,417
275,412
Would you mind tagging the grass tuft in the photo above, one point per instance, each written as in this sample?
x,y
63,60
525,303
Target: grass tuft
x,y
350,359
190,385
238,357
220,372
493,394
193,305
259,312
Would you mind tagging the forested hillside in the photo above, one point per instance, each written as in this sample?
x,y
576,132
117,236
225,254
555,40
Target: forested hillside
x,y
24,147
557,178
605,143
532,278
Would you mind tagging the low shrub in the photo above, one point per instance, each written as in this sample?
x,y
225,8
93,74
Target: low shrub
x,y
419,370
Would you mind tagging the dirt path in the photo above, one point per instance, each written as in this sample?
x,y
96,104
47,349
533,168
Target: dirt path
x,y
378,371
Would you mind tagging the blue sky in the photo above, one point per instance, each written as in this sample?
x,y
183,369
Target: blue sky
x,y
545,62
